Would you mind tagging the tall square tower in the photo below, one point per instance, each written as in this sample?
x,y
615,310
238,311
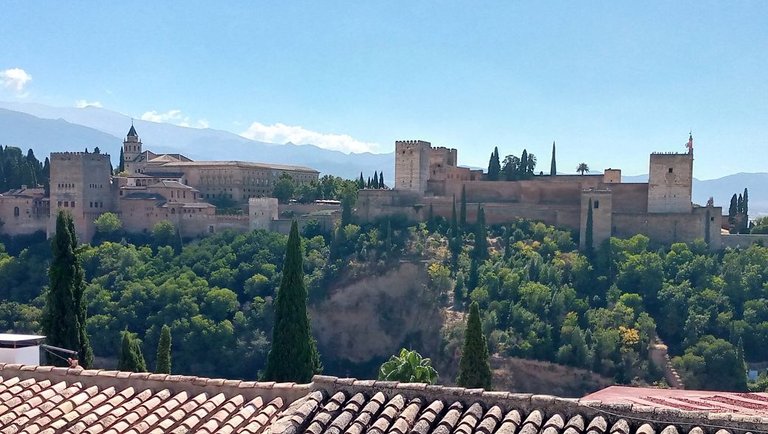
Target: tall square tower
x,y
412,165
670,183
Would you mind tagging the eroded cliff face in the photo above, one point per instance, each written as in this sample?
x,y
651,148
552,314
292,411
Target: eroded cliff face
x,y
365,322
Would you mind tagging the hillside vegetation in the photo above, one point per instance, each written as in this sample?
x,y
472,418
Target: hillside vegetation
x,y
376,288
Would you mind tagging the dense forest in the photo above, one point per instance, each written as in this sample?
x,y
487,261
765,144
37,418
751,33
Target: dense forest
x,y
539,297
17,169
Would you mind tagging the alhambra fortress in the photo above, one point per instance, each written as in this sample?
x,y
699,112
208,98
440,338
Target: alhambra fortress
x,y
428,181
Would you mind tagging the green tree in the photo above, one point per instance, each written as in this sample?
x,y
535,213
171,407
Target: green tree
x,y
64,315
381,180
163,364
284,188
293,356
494,165
553,164
732,208
712,364
474,369
121,165
108,226
360,182
408,367
746,209
582,168
164,234
375,181
480,250
131,359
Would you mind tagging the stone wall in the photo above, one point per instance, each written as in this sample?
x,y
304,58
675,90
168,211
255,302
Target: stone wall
x,y
601,203
700,223
742,241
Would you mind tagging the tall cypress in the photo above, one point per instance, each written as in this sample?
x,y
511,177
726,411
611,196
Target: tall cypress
x,y
293,356
524,164
589,242
375,181
163,365
732,208
64,314
553,165
463,209
494,165
740,204
381,180
361,182
474,369
131,359
121,165
481,236
746,208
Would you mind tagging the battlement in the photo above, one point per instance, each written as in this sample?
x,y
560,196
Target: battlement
x,y
670,153
61,156
412,143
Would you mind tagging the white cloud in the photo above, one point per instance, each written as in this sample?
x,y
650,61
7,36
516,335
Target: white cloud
x,y
281,133
81,103
175,117
15,79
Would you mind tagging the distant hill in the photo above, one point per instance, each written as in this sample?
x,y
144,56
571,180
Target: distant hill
x,y
48,135
198,144
722,189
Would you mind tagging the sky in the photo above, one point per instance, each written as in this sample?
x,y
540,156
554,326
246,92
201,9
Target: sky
x,y
609,81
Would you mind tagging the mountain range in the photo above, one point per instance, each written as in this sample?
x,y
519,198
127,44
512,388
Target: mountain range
x,y
48,129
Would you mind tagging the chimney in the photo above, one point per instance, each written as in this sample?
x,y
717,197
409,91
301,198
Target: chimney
x,y
23,349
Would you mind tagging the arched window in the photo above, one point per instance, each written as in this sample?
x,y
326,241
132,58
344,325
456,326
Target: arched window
x,y
15,211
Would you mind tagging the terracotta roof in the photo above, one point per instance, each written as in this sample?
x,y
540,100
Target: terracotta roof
x,y
60,400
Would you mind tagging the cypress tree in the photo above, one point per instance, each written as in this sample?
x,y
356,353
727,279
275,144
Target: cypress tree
x,y
524,164
474,369
64,314
369,185
740,204
732,208
553,165
431,217
131,359
507,244
47,177
163,365
746,208
481,236
293,356
381,180
589,242
375,181
361,182
463,209
454,220
121,165
494,165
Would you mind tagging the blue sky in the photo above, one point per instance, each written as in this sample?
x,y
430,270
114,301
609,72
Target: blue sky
x,y
609,81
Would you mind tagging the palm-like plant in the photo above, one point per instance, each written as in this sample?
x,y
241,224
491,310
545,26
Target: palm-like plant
x,y
582,168
408,367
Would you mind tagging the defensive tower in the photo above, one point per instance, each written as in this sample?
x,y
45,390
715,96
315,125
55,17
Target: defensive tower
x,y
81,185
412,165
670,181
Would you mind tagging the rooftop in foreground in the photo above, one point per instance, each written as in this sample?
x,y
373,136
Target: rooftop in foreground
x,y
62,400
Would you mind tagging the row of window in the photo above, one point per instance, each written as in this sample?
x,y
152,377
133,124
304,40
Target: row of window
x,y
97,204
95,185
67,204
66,185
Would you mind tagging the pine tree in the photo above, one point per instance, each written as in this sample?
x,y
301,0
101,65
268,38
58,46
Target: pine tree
x,y
589,242
163,364
131,359
64,314
293,356
553,165
463,209
381,180
474,369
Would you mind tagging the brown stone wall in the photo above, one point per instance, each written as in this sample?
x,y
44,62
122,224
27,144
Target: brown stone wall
x,y
601,202
629,198
412,165
23,215
671,227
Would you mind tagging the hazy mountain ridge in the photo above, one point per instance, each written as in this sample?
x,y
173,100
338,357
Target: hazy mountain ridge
x,y
196,143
